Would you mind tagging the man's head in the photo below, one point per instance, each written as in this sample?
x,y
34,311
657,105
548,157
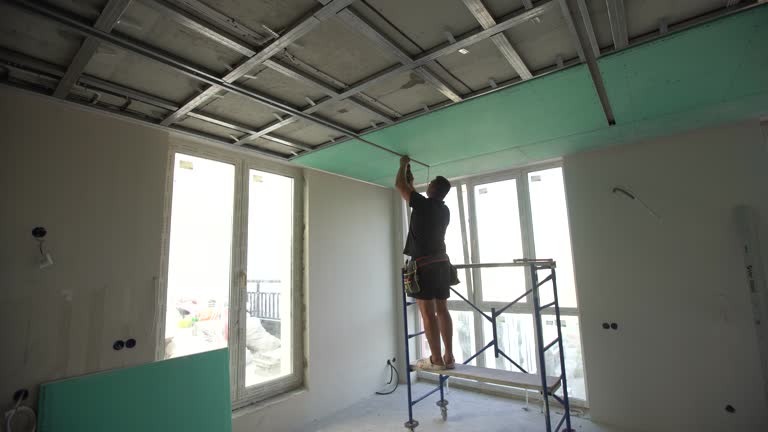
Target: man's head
x,y
438,188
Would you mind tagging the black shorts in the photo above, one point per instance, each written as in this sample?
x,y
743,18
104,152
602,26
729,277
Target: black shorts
x,y
435,281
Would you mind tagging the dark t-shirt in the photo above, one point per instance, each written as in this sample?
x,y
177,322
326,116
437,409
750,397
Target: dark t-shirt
x,y
429,221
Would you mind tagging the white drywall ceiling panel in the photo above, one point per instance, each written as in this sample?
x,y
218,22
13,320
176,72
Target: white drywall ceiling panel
x,y
131,70
240,109
37,37
151,27
308,133
384,25
406,92
643,16
426,21
282,87
539,41
483,62
341,52
278,15
500,8
90,9
348,114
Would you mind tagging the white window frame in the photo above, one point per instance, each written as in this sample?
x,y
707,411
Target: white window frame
x,y
243,163
471,252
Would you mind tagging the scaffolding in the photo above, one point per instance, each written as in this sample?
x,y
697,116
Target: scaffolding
x,y
546,385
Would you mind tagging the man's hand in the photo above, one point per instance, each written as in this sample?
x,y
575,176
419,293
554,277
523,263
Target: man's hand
x,y
404,178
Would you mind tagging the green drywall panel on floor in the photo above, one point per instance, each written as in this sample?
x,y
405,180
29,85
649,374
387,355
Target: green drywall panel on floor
x,y
708,75
189,394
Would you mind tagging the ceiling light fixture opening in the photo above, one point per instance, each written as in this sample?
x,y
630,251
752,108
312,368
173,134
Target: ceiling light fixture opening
x,y
464,51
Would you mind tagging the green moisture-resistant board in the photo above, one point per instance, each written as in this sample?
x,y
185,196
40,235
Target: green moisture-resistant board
x,y
189,394
704,76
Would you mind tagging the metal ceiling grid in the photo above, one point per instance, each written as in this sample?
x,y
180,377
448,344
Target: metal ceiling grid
x,y
150,25
346,112
482,63
275,15
282,86
238,109
264,32
310,133
426,21
134,71
601,23
406,92
342,52
37,37
540,41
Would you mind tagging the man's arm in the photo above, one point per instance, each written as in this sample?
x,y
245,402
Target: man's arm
x,y
404,179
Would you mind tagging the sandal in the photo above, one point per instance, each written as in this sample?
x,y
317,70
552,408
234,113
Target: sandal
x,y
451,364
426,364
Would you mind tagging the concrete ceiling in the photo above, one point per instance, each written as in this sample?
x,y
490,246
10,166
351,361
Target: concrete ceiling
x,y
331,69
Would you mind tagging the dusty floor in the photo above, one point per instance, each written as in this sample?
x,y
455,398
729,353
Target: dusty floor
x,y
467,411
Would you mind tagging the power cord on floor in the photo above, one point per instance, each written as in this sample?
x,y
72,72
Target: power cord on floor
x,y
392,374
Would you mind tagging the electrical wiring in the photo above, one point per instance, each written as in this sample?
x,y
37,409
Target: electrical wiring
x,y
392,374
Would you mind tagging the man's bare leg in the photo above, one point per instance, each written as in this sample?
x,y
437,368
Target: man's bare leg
x,y
445,324
431,329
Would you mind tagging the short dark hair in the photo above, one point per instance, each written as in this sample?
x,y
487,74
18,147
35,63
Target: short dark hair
x,y
442,186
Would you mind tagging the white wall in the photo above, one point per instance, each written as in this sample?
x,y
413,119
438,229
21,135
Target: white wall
x,y
351,304
97,185
686,346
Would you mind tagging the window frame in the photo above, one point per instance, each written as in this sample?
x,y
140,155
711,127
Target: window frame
x,y
241,396
474,282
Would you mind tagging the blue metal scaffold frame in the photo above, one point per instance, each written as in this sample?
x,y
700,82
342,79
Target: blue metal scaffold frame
x,y
534,266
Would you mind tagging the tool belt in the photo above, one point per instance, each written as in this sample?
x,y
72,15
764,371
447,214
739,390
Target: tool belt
x,y
411,272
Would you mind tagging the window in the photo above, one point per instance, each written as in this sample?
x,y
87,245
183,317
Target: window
x,y
232,276
497,219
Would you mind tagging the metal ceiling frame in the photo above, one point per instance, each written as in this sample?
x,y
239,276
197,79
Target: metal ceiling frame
x,y
218,84
486,20
106,21
277,58
618,18
296,31
22,62
359,24
584,37
376,108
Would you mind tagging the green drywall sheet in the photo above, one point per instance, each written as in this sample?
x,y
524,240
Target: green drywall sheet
x,y
560,104
187,394
708,75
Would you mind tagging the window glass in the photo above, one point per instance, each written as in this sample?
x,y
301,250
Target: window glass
x,y
199,261
574,362
268,348
516,338
551,234
499,239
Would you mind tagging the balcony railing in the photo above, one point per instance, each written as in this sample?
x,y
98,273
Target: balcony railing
x,y
263,305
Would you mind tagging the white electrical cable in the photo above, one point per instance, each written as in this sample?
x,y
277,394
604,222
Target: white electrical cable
x,y
20,409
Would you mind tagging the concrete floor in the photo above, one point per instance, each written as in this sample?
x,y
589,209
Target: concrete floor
x,y
467,411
